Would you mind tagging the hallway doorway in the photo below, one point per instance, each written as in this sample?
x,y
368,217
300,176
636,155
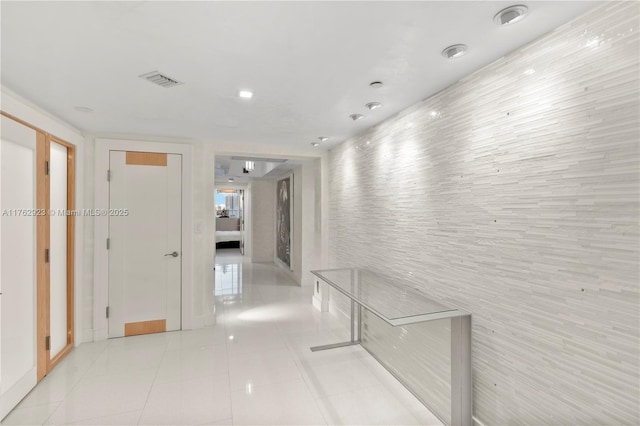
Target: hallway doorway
x,y
229,211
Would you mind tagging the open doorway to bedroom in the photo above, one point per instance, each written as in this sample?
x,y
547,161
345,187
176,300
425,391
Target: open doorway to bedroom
x,y
229,211
272,204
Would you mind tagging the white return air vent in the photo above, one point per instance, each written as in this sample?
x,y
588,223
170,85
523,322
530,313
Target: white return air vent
x,y
160,79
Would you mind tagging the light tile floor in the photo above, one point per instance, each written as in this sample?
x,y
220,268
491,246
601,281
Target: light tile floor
x,y
254,367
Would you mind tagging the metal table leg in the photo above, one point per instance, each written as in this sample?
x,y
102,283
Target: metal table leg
x,y
353,340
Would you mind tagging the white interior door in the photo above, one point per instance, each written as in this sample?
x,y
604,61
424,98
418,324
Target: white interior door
x,y
145,236
17,263
58,247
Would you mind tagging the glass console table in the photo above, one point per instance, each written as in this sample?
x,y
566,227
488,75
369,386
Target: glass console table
x,y
400,305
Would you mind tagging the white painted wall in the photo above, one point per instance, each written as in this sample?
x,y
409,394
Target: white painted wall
x,y
248,218
296,226
514,194
14,104
204,243
310,223
263,219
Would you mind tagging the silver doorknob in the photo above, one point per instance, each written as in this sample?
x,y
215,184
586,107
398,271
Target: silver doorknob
x,y
174,254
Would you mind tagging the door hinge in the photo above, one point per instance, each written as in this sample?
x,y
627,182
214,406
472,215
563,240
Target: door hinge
x,y
47,343
46,255
46,168
107,312
108,175
108,243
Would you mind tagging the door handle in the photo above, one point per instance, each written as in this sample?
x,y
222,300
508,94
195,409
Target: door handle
x,y
174,254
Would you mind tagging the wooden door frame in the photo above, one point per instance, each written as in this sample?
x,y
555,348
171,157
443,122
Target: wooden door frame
x,y
43,143
71,206
101,227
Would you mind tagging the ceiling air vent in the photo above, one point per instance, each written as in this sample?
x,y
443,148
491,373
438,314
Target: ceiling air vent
x,y
160,79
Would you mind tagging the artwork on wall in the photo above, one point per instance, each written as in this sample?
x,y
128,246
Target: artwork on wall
x,y
283,220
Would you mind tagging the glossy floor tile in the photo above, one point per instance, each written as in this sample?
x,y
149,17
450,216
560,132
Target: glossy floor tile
x,y
253,367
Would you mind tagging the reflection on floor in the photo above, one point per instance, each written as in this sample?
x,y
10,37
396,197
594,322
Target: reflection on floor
x,y
253,368
228,280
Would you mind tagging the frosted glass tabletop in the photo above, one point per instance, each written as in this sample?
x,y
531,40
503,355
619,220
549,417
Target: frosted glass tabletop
x,y
395,303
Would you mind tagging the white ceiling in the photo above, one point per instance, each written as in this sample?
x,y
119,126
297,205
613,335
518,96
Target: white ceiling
x,y
228,166
309,63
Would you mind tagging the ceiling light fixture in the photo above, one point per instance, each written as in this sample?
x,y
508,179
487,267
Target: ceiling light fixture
x,y
314,144
376,84
455,51
373,105
323,138
83,109
230,179
511,15
245,94
356,117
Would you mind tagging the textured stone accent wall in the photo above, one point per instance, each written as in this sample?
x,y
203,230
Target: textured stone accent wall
x,y
514,194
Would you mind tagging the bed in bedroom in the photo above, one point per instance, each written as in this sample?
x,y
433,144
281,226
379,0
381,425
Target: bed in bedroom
x,y
227,232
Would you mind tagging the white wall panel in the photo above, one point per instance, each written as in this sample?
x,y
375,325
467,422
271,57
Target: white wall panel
x,y
514,194
58,248
17,263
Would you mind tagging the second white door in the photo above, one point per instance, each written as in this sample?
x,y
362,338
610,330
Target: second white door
x,y
145,235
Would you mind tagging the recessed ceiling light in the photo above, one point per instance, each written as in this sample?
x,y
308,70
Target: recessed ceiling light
x,y
323,138
356,117
373,105
83,109
230,179
376,84
455,51
511,15
314,144
246,94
